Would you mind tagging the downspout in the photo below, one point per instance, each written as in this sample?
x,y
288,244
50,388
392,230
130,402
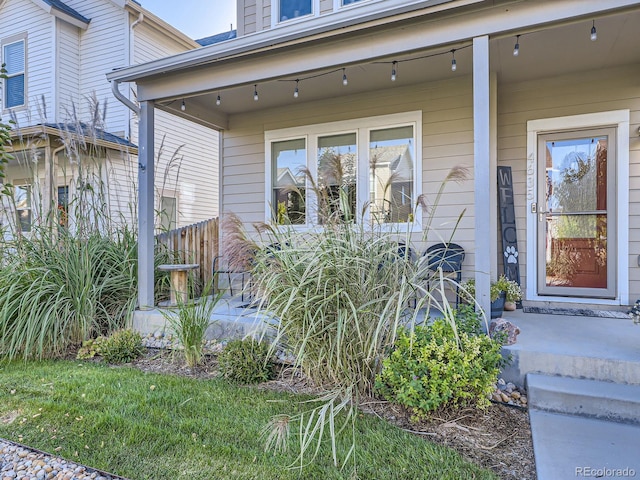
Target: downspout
x,y
115,88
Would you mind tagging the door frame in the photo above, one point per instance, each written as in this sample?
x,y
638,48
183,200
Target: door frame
x,y
620,120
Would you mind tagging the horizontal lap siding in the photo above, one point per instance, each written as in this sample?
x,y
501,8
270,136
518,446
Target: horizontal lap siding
x,y
68,59
187,154
18,17
102,48
574,94
447,130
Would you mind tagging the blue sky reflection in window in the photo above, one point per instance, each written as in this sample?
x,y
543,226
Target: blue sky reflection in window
x,y
294,8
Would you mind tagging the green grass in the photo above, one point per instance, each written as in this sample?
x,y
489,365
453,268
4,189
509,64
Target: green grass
x,y
151,426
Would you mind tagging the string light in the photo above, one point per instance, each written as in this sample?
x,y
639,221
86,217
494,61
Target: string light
x,y
255,92
296,92
454,64
394,66
516,48
183,107
345,82
218,100
594,34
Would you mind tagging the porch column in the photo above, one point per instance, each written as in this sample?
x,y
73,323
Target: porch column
x,y
145,206
482,170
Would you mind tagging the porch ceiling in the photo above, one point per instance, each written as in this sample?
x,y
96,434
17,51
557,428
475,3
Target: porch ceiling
x,y
545,51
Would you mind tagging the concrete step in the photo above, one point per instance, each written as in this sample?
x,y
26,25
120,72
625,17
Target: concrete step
x,y
589,398
574,446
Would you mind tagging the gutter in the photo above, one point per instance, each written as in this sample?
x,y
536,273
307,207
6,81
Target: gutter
x,y
115,88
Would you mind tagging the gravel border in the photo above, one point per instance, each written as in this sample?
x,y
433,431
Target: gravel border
x,y
20,462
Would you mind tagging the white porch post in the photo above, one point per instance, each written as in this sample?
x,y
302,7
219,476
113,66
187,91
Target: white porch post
x,y
145,206
482,171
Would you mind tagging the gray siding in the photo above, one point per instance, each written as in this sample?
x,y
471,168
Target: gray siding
x,y
573,94
447,142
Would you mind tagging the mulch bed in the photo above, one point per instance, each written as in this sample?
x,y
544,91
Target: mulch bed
x,y
498,438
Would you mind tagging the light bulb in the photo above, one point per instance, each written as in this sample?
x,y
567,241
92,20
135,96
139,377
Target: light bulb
x,y
218,100
255,92
183,107
393,71
516,48
594,34
454,65
296,92
344,78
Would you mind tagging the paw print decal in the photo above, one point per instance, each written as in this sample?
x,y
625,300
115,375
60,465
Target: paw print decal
x,y
512,255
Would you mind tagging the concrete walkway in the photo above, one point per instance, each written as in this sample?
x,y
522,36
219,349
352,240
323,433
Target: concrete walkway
x,y
585,417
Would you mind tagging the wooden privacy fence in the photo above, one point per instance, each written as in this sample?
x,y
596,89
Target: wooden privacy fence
x,y
196,243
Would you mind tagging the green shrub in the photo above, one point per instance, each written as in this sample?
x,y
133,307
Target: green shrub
x,y
90,348
122,346
246,361
428,369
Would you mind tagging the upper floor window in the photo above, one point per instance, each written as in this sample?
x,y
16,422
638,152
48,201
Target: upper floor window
x,y
289,9
369,165
349,2
14,86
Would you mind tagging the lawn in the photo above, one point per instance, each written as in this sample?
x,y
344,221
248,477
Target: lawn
x,y
151,426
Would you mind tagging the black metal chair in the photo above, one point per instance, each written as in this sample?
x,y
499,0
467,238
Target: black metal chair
x,y
447,257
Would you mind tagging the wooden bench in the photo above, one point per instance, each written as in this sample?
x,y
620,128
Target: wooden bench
x,y
178,293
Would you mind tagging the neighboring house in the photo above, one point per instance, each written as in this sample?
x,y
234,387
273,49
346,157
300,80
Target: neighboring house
x,y
549,89
73,136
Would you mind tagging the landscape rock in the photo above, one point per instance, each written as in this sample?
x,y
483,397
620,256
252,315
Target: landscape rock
x,y
504,330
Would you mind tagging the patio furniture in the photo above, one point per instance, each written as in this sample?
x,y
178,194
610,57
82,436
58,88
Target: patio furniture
x,y
178,291
219,267
447,257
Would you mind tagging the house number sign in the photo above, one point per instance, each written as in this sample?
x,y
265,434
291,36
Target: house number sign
x,y
508,225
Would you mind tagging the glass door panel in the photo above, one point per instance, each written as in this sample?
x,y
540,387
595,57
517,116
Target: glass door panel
x,y
576,217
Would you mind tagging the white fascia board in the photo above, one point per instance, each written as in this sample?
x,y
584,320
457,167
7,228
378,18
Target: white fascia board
x,y
61,15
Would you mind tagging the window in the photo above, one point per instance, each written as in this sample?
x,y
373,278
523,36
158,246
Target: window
x,y
168,213
371,162
391,159
289,192
293,9
14,86
22,199
350,2
63,206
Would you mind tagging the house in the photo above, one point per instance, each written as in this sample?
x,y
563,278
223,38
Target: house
x,y
549,89
72,136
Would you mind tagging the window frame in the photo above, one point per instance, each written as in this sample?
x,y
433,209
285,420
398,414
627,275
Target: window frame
x,y
362,127
168,195
275,20
20,38
27,185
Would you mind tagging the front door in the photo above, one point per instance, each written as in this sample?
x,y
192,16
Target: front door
x,y
577,214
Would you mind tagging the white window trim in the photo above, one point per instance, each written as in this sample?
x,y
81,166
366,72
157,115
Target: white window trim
x,y
275,13
337,4
167,193
362,127
616,118
4,43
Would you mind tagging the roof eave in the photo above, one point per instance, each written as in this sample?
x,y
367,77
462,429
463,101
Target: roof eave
x,y
54,132
275,38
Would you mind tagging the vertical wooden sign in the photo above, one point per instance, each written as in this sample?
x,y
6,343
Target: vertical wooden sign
x,y
508,225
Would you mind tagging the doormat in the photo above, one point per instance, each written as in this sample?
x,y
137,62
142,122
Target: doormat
x,y
578,312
